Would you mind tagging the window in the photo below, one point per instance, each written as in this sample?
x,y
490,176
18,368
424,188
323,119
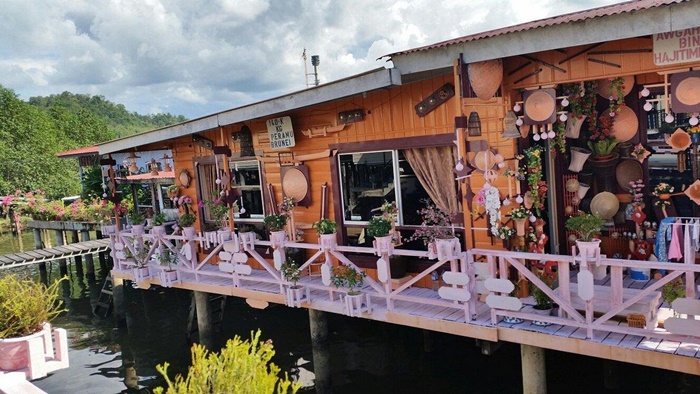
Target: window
x,y
245,177
370,178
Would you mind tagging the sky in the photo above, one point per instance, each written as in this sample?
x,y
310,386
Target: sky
x,y
198,57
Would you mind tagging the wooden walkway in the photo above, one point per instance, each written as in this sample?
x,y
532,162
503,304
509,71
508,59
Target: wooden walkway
x,y
36,256
573,330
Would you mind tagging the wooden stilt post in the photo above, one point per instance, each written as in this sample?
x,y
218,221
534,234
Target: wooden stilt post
x,y
534,370
204,326
89,261
78,260
38,244
318,325
119,300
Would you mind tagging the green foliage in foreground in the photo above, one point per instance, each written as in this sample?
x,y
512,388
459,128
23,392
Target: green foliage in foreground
x,y
240,367
25,305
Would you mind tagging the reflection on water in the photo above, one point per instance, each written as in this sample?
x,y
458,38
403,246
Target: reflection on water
x,y
366,356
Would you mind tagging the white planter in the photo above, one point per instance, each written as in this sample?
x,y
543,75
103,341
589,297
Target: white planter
x,y
35,355
223,235
578,158
295,296
14,352
355,304
158,231
109,229
582,190
141,273
327,241
447,248
573,126
383,245
588,249
189,232
138,229
278,237
168,278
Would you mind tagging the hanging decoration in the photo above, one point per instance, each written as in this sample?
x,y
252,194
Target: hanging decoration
x,y
474,124
510,129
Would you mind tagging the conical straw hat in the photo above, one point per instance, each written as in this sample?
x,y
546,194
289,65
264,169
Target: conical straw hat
x,y
540,106
295,184
604,87
605,205
626,124
485,77
685,92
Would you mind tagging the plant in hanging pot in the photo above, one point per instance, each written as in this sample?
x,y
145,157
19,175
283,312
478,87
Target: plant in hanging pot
x,y
520,215
26,308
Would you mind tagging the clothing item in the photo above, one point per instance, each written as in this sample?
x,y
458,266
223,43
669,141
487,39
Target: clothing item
x,y
663,235
675,250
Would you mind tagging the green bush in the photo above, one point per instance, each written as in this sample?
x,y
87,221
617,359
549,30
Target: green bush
x,y
325,226
275,222
240,367
25,305
348,277
378,227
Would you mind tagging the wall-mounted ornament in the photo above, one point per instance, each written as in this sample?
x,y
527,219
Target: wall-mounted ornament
x,y
485,78
352,116
203,142
510,129
434,100
685,92
322,130
540,106
474,124
245,137
295,184
185,178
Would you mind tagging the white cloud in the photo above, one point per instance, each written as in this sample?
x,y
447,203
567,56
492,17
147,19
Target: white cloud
x,y
195,58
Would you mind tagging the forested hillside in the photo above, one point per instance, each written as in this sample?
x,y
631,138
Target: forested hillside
x,y
31,133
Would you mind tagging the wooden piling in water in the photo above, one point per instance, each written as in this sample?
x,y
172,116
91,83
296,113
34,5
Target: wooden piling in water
x,y
534,369
318,325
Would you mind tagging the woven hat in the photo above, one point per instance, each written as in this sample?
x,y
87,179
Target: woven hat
x,y
295,184
605,205
679,140
485,77
604,87
693,192
572,185
685,92
484,160
540,106
626,124
628,171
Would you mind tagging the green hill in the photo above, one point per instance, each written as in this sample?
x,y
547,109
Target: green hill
x,y
32,132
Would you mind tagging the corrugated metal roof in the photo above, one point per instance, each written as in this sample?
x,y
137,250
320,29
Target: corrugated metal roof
x,y
620,8
89,150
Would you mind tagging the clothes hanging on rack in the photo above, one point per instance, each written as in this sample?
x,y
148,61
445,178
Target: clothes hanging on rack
x,y
695,238
675,249
663,235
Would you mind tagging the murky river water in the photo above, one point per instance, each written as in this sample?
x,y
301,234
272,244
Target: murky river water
x,y
367,357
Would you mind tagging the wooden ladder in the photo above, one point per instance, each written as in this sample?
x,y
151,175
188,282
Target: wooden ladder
x,y
218,306
104,304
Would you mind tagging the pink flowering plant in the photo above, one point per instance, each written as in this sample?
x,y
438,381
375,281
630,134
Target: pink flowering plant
x,y
635,191
218,210
436,224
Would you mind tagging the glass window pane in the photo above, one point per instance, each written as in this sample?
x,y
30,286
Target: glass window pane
x,y
367,179
247,179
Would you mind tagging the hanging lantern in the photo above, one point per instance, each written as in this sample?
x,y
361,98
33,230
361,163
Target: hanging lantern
x,y
474,124
510,130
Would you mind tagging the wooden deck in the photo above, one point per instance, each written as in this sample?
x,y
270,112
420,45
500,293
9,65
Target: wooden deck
x,y
601,334
13,260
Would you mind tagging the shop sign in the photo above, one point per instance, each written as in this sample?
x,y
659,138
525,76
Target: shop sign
x,y
281,132
674,47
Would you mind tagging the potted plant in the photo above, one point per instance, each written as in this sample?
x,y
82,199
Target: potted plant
x,y
291,273
519,216
158,223
136,219
542,300
436,224
672,291
26,308
380,228
186,222
586,226
694,133
325,228
167,258
349,278
275,225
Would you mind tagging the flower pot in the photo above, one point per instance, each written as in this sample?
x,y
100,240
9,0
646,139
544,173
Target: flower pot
x,y
158,231
109,229
223,235
138,229
582,190
278,237
573,126
383,244
578,158
447,248
295,295
588,249
604,170
14,352
141,273
327,241
625,149
189,232
520,227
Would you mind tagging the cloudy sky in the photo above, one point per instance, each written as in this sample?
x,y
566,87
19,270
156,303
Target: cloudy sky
x,y
197,57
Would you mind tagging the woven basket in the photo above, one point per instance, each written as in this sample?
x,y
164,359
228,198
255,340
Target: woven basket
x,y
605,205
485,77
636,320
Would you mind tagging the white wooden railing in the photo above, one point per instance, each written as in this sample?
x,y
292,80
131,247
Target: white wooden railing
x,y
583,303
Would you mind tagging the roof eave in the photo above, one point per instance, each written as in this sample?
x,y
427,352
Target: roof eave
x,y
641,23
372,80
